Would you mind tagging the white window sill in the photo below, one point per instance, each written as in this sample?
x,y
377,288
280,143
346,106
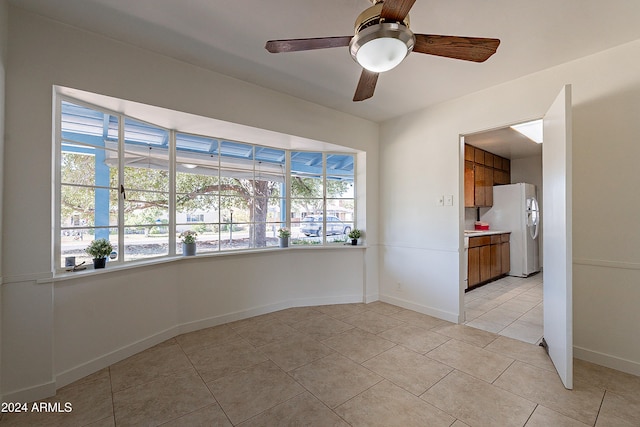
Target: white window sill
x,y
62,275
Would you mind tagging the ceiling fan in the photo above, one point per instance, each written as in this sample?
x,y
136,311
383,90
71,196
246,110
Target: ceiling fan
x,y
383,39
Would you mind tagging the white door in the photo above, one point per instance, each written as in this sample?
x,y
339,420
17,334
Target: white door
x,y
557,248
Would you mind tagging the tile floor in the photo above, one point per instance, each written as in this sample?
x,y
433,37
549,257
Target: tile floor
x,y
343,365
511,307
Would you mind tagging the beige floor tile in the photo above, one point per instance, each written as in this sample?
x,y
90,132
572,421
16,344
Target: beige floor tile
x,y
408,369
294,351
386,404
480,363
418,319
161,400
302,410
334,379
544,387
196,340
467,334
265,332
220,360
545,417
608,420
523,331
607,378
90,402
339,311
160,360
322,327
247,393
500,315
485,325
294,315
383,308
525,352
459,423
358,345
471,314
478,403
211,415
372,322
414,337
623,407
105,422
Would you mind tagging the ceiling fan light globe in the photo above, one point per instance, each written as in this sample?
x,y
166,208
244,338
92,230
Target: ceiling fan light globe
x,y
381,47
383,54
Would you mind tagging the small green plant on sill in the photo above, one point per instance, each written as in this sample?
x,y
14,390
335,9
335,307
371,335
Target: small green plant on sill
x,y
99,248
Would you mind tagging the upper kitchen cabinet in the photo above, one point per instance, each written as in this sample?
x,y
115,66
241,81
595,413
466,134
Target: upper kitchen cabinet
x,y
483,170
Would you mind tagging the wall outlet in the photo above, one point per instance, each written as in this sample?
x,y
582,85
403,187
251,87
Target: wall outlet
x,y
440,201
448,200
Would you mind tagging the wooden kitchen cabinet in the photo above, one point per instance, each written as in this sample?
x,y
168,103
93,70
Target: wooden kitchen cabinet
x,y
483,170
488,258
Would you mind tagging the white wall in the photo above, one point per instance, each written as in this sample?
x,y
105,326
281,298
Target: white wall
x,y
55,332
420,159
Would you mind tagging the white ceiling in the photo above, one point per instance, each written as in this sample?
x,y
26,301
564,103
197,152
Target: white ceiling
x,y
228,36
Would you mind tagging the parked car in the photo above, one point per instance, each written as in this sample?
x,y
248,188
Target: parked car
x,y
312,226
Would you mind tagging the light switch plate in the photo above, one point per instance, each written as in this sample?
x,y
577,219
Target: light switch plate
x,y
448,200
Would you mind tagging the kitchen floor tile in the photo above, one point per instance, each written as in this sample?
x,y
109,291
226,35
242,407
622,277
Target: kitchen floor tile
x,y
335,379
217,361
294,351
301,410
161,400
247,393
265,332
418,319
545,417
386,404
196,340
480,363
408,369
524,331
211,415
621,407
478,403
358,345
467,334
414,337
543,387
373,322
161,360
525,352
322,327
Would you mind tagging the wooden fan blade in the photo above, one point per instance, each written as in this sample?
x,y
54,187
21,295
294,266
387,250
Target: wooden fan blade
x,y
396,10
296,45
474,49
366,85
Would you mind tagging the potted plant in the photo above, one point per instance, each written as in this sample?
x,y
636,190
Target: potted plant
x,y
99,249
354,235
283,237
188,239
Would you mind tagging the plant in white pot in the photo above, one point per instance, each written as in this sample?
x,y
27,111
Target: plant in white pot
x,y
99,249
283,237
188,239
354,235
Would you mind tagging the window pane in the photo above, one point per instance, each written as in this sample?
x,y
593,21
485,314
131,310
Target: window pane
x,y
146,208
145,242
207,239
73,243
88,166
146,157
86,125
88,207
197,209
340,164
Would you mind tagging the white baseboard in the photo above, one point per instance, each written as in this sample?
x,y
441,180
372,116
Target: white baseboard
x,y
444,315
31,394
607,360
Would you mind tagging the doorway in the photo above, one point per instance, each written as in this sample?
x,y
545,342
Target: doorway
x,y
510,306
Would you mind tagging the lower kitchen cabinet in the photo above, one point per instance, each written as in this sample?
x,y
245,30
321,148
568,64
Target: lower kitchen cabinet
x,y
488,258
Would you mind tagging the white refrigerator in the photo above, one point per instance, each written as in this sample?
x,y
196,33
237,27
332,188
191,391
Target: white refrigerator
x,y
515,209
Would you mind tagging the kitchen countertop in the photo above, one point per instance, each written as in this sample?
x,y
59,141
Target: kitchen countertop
x,y
478,233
